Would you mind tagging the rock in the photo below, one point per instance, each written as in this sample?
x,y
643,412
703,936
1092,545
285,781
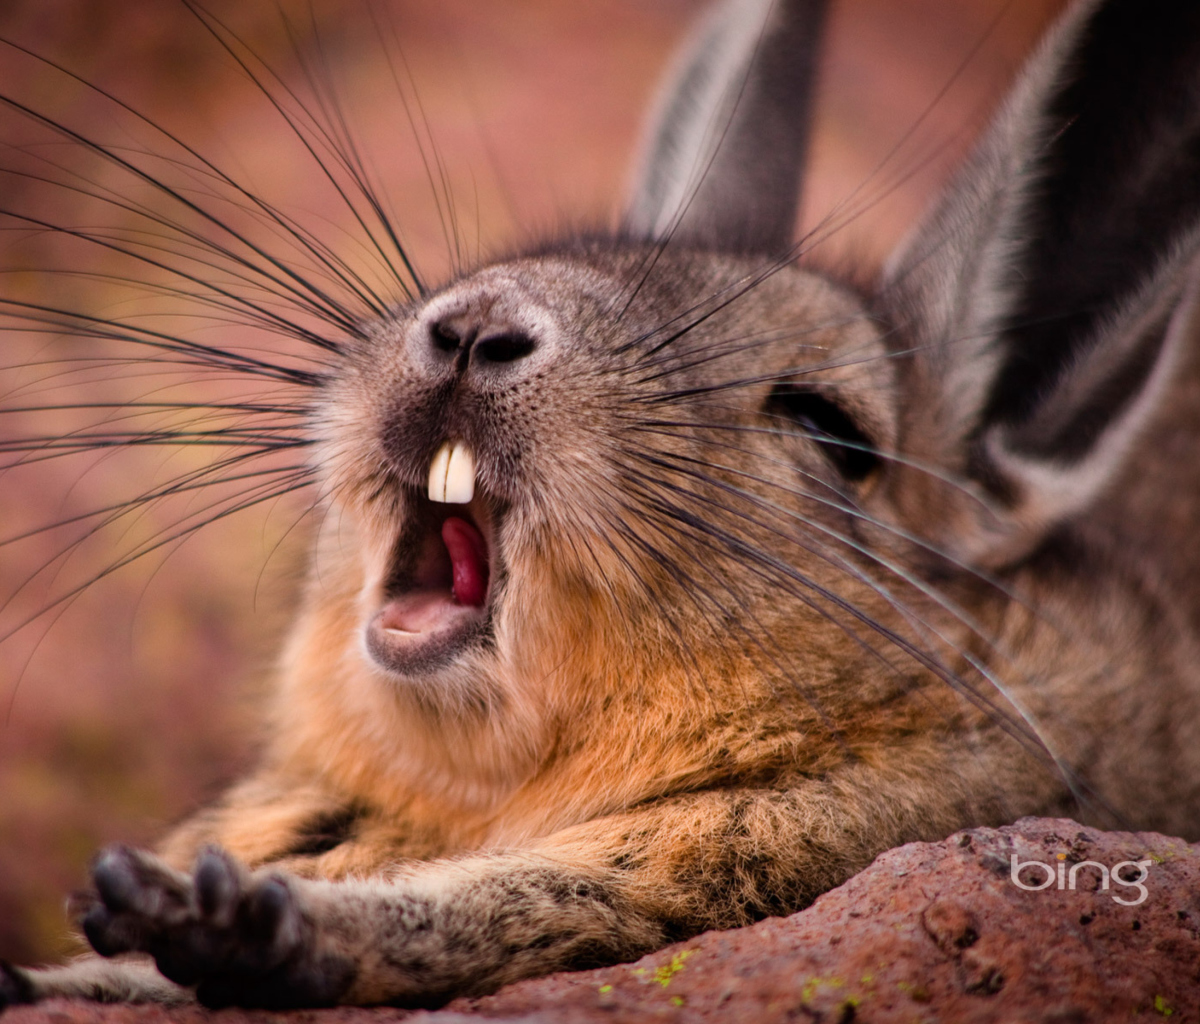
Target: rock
x,y
929,932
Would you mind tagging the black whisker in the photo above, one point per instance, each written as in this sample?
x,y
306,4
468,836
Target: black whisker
x,y
346,159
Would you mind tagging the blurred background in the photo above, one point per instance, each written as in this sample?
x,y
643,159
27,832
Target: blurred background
x,y
127,702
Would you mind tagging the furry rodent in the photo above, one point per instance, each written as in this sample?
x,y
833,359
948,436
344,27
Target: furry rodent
x,y
760,573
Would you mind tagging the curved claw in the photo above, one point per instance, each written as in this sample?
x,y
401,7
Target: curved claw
x,y
97,925
91,916
272,916
218,886
116,879
130,881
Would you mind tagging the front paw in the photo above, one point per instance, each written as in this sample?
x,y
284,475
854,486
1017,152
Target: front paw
x,y
241,939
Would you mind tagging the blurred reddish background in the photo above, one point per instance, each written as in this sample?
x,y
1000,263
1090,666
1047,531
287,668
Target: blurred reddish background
x,y
123,709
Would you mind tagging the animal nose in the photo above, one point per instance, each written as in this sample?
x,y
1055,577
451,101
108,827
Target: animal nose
x,y
473,346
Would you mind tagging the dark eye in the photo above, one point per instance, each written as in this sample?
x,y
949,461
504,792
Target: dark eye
x,y
847,447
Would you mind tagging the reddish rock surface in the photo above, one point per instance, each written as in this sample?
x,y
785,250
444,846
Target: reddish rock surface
x,y
929,932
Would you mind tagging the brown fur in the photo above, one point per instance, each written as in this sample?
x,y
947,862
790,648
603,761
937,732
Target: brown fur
x,y
673,725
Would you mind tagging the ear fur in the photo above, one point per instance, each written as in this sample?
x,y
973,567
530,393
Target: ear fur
x,y
726,149
1041,307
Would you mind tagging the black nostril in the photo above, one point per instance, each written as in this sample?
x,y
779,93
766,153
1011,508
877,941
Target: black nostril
x,y
504,348
464,345
445,339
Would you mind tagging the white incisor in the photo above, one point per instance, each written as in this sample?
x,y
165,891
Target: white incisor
x,y
452,474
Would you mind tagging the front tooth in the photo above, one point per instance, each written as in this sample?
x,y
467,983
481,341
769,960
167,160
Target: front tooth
x,y
437,473
460,475
452,474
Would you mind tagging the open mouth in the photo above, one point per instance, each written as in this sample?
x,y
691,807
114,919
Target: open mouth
x,y
437,596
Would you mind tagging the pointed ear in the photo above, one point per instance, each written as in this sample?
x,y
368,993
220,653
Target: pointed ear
x,y
727,146
1040,308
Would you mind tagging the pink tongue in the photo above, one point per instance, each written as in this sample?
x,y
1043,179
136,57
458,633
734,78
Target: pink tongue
x,y
468,556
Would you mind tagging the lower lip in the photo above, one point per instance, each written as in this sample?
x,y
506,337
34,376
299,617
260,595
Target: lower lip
x,y
419,633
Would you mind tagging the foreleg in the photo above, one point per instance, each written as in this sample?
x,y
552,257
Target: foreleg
x,y
603,891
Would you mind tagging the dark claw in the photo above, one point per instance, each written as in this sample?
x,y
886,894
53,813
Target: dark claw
x,y
15,989
112,934
96,925
137,897
132,882
268,906
217,886
116,879
87,911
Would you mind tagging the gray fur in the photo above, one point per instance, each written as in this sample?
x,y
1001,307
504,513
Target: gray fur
x,y
955,287
727,146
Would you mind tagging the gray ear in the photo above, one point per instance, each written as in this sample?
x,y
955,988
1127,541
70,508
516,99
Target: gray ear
x,y
1040,309
727,147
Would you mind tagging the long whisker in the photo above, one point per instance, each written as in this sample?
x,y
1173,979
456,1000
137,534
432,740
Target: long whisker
x,y
85,325
1016,728
304,239
226,38
665,517
286,280
698,469
200,480
151,546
